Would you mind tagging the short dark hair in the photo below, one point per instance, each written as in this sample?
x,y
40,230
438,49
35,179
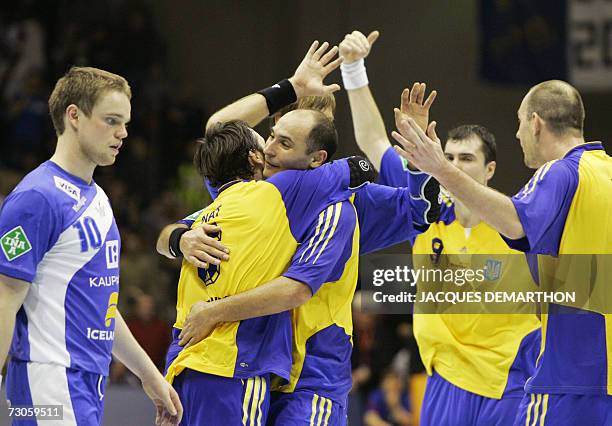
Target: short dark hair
x,y
322,136
222,155
466,131
559,104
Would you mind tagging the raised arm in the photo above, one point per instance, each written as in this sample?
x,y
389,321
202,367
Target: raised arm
x,y
306,81
425,152
368,124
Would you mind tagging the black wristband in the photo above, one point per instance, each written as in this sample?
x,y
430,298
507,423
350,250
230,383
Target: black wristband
x,y
174,243
279,96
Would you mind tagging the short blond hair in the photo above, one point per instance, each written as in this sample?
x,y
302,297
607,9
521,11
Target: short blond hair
x,y
317,103
83,87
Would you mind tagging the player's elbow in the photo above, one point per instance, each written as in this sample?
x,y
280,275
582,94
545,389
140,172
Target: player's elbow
x,y
300,294
514,232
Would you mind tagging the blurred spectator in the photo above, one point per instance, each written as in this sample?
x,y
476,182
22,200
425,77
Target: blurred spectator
x,y
388,405
150,331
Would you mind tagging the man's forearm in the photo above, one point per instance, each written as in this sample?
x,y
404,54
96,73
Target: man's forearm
x,y
279,295
368,125
7,319
492,206
12,295
127,350
163,241
251,109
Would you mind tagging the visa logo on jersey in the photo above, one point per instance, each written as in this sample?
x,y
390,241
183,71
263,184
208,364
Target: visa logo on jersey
x,y
71,190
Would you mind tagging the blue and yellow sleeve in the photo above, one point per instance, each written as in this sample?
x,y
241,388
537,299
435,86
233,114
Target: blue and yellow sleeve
x,y
542,207
321,256
306,193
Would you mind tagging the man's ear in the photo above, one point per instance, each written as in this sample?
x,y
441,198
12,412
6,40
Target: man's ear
x,y
71,116
491,170
537,124
318,158
256,158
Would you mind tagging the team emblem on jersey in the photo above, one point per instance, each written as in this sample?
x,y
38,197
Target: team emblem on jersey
x,y
211,274
15,243
437,246
492,269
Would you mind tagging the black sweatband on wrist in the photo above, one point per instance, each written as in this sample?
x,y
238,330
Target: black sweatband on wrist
x,y
174,243
279,96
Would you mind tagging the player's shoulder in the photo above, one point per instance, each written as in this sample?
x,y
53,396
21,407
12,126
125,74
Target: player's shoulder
x,y
35,187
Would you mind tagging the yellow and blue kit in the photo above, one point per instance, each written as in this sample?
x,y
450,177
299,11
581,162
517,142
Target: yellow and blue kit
x,y
322,328
261,223
477,363
566,212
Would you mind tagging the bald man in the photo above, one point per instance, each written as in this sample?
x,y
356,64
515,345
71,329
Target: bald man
x,y
566,208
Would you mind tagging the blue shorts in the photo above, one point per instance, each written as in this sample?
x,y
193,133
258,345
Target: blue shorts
x,y
565,410
214,400
445,404
81,394
305,409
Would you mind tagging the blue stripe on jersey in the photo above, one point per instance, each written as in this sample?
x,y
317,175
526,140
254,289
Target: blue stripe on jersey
x,y
523,366
264,332
556,369
327,365
20,345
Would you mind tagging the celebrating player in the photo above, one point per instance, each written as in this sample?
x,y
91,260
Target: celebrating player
x,y
566,208
470,382
322,326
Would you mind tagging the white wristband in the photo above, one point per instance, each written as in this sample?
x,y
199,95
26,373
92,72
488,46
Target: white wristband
x,y
354,75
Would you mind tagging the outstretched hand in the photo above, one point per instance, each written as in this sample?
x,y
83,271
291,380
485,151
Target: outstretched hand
x,y
356,46
316,65
424,151
413,105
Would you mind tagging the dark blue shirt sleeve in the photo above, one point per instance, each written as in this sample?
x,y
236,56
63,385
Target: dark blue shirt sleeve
x,y
385,217
306,193
393,170
323,253
542,207
29,227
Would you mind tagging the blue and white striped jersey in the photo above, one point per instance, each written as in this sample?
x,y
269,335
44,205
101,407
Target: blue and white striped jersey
x,y
59,233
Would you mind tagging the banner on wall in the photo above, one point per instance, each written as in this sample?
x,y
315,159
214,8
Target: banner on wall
x,y
525,42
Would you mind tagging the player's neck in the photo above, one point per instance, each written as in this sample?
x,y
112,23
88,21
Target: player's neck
x,y
70,158
559,148
465,216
